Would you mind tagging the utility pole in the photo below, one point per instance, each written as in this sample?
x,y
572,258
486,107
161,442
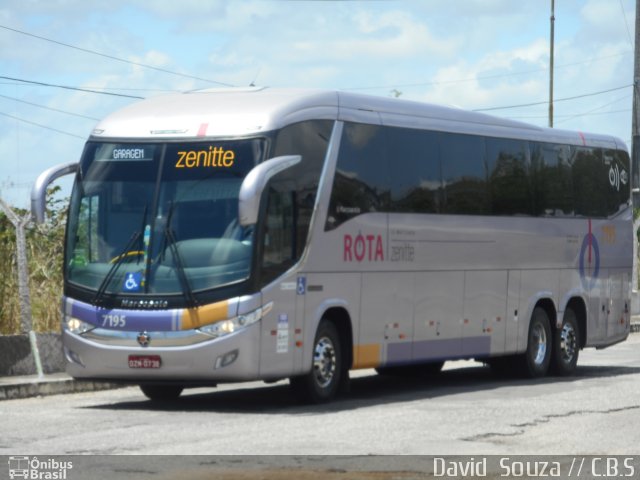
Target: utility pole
x,y
635,156
552,20
635,123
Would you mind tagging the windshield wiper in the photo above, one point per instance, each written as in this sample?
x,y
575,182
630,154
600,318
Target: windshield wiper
x,y
97,299
170,241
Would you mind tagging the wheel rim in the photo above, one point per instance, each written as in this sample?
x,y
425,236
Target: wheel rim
x,y
539,341
568,342
324,362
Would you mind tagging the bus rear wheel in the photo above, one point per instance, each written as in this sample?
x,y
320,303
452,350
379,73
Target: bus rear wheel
x,y
161,392
534,363
321,384
566,345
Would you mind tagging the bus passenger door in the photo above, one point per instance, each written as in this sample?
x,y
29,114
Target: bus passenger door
x,y
279,326
281,289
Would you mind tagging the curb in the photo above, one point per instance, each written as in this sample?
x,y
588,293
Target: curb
x,y
12,388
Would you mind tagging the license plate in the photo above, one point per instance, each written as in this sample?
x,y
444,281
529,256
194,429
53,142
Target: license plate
x,y
144,361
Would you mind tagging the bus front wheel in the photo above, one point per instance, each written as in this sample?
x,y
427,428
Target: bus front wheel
x,y
321,384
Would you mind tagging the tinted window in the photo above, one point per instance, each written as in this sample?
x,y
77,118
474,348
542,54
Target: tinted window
x,y
388,169
292,194
509,184
551,180
619,179
464,174
361,181
415,176
590,182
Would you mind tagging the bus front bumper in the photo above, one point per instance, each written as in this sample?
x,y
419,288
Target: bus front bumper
x,y
170,356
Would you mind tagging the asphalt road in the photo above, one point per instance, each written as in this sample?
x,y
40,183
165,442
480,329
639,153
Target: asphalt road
x,y
465,410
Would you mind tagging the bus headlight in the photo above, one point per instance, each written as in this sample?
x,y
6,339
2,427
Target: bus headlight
x,y
77,326
231,325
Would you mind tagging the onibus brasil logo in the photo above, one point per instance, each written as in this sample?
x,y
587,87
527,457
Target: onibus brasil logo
x,y
32,468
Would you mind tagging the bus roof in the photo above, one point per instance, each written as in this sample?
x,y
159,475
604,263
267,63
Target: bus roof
x,y
233,112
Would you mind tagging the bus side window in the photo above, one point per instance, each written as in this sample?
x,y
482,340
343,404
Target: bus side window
x,y
416,180
464,174
361,182
87,238
551,180
508,177
310,140
279,247
590,182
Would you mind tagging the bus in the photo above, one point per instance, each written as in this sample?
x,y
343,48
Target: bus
x,y
265,234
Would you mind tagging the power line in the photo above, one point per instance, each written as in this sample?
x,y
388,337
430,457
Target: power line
x,y
594,110
111,57
570,115
42,126
487,77
626,24
66,87
50,108
106,89
556,100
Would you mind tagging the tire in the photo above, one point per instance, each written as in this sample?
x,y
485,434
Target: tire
x,y
161,392
566,345
322,383
534,363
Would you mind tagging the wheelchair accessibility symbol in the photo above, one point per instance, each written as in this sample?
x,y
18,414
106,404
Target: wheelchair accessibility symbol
x,y
132,282
301,286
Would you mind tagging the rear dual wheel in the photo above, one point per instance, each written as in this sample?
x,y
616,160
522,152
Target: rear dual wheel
x,y
547,350
566,345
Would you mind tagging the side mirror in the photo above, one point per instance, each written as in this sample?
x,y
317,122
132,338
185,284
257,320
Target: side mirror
x,y
39,190
254,183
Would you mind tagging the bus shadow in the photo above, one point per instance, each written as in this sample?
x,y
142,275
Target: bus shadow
x,y
365,391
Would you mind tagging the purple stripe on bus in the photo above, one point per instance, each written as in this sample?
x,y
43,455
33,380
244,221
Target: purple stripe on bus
x,y
399,352
130,320
426,350
436,349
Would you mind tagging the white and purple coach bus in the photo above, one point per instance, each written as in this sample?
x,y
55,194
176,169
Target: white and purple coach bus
x,y
242,234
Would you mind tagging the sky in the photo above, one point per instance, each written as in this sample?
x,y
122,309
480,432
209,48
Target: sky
x,y
474,54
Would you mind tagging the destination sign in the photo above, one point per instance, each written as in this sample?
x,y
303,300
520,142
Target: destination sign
x,y
122,153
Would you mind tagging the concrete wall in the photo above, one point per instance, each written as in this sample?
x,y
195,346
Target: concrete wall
x,y
16,358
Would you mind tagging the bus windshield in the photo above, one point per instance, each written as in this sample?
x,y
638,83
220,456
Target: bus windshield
x,y
151,218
